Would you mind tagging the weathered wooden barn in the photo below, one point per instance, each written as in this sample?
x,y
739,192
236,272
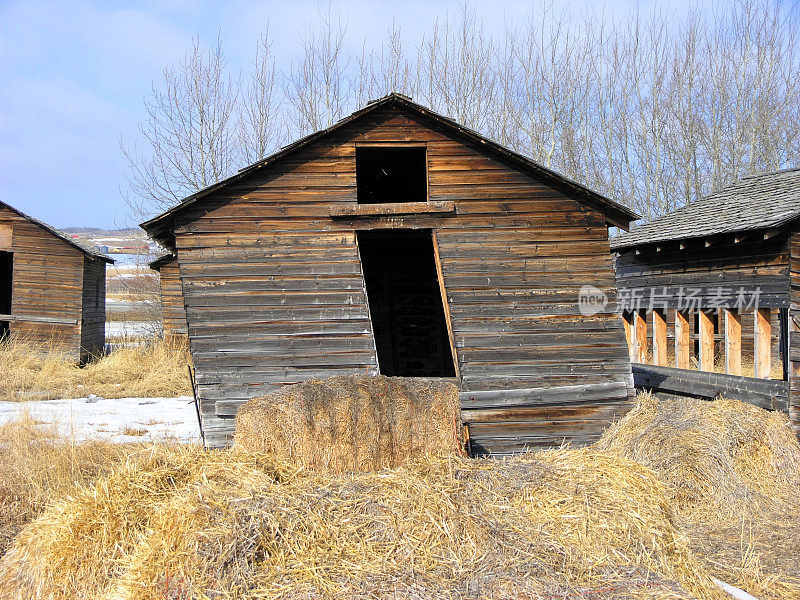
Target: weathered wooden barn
x,y
173,311
52,287
715,287
399,242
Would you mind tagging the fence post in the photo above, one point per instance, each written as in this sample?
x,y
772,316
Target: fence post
x,y
640,327
706,341
659,337
733,342
682,340
627,325
763,340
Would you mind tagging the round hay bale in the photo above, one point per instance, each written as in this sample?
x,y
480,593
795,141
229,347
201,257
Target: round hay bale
x,y
354,423
710,453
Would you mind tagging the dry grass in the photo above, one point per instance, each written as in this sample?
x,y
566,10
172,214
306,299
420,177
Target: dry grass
x,y
187,523
38,466
354,423
133,432
732,473
675,493
139,313
35,372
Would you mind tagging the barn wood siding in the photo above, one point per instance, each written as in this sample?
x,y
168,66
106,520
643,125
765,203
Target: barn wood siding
x,y
93,324
172,308
794,330
725,266
773,265
274,292
47,282
750,264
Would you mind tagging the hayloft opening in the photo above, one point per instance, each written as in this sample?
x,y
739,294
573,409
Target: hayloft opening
x,y
391,174
405,303
6,277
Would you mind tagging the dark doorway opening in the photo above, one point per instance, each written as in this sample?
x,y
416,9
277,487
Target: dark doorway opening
x,y
6,281
391,174
405,303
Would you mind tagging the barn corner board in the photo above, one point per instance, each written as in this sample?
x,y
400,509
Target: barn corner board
x,y
399,242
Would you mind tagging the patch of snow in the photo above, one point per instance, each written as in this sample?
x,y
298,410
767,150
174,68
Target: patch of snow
x,y
101,418
733,591
129,328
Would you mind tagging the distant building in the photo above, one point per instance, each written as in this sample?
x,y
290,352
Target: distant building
x,y
172,309
52,287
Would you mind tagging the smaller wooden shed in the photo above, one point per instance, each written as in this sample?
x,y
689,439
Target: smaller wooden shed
x,y
173,310
52,286
710,295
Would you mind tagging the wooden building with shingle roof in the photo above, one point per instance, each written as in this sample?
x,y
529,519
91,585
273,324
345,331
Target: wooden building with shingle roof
x,y
173,311
711,294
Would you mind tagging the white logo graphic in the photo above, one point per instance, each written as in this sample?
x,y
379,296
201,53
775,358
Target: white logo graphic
x,y
591,300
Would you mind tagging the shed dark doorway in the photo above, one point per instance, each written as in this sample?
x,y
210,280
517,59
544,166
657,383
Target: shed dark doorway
x,y
6,280
405,303
391,174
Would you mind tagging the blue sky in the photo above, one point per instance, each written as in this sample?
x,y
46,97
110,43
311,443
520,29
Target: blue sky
x,y
73,76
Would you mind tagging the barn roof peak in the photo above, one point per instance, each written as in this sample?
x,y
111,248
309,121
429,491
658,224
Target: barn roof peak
x,y
160,227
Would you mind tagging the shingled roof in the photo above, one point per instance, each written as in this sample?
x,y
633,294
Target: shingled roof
x,y
762,201
159,227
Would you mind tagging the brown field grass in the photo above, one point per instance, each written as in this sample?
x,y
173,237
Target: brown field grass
x,y
33,371
37,466
674,494
142,313
186,522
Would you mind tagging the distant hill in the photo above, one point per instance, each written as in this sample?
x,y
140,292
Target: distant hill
x,y
135,231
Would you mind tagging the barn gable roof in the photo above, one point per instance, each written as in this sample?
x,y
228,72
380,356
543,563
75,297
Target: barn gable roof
x,y
617,214
761,201
82,246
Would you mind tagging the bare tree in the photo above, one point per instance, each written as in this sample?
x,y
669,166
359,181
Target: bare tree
x,y
189,136
457,70
261,127
653,110
318,87
386,69
550,89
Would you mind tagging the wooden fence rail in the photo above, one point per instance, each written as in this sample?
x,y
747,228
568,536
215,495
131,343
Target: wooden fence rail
x,y
769,394
39,319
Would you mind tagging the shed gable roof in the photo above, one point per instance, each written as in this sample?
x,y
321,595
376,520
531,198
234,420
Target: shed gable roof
x,y
85,248
159,227
161,261
762,201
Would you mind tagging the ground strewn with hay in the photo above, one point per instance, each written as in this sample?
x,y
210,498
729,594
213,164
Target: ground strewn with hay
x,y
33,372
187,522
732,475
37,466
676,493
